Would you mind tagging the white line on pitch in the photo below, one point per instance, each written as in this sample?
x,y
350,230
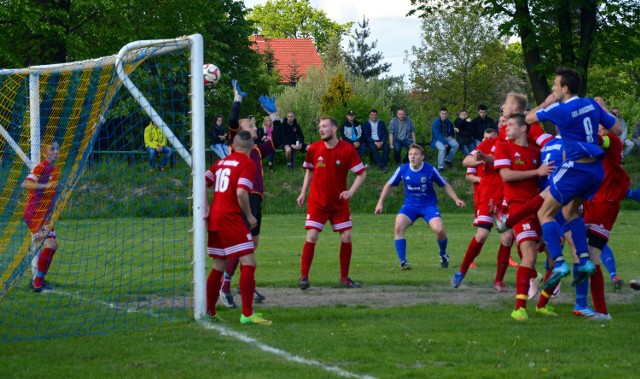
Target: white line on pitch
x,y
230,333
281,353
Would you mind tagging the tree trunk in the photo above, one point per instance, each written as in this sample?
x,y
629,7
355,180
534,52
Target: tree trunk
x,y
588,19
531,51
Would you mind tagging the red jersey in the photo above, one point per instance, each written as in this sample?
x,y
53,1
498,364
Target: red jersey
x,y
227,175
616,180
491,183
518,158
40,202
330,168
257,153
536,136
477,171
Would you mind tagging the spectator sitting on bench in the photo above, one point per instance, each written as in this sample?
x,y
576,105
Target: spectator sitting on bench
x,y
155,142
217,138
376,136
443,135
351,131
294,139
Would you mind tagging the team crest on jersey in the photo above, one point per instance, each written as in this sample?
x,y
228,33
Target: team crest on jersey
x,y
423,179
518,159
338,163
407,178
320,162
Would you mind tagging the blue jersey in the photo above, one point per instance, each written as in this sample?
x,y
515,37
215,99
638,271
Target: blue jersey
x,y
551,152
577,120
418,187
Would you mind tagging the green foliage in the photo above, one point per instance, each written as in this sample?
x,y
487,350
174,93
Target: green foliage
x,y
360,58
296,19
461,63
338,94
555,32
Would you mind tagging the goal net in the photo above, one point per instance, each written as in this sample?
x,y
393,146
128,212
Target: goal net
x,y
126,235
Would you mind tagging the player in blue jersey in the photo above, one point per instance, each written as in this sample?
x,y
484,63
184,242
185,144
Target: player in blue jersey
x,y
420,201
579,177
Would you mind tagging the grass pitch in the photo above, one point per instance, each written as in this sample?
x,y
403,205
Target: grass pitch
x,y
424,339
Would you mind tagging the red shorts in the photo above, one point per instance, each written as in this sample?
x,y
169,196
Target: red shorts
x,y
40,230
527,230
484,213
340,218
227,243
599,217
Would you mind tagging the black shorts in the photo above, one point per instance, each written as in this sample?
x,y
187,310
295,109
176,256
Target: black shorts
x,y
255,202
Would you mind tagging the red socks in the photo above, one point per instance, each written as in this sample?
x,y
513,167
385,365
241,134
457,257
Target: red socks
x,y
345,260
472,252
597,291
44,261
247,287
214,282
522,285
307,257
503,262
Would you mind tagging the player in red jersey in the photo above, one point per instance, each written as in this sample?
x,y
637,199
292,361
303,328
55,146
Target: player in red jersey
x,y
258,152
42,182
519,166
474,175
327,163
601,212
232,179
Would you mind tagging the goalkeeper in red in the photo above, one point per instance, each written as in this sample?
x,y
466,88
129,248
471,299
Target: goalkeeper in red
x,y
232,180
42,182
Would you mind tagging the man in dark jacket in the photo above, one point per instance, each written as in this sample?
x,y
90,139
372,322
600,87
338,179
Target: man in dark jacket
x,y
443,135
294,140
376,137
480,124
351,131
464,132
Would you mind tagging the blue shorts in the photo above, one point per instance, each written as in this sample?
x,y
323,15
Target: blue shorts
x,y
576,179
413,212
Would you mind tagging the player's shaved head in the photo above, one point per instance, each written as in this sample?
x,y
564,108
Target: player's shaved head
x,y
243,141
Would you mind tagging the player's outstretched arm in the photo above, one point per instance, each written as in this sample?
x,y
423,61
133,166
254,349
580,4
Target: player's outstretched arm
x,y
383,195
453,195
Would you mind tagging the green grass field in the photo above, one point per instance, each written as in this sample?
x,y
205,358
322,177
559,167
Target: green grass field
x,y
425,339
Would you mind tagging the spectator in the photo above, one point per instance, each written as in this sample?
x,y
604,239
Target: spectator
x,y
259,129
294,140
402,133
464,130
442,136
156,142
267,127
375,136
481,123
636,135
217,138
628,144
351,132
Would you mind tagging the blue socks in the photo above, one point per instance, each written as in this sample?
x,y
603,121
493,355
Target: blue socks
x,y
582,289
579,236
443,246
609,261
401,249
551,235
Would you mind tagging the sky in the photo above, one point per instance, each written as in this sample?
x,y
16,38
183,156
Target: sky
x,y
394,32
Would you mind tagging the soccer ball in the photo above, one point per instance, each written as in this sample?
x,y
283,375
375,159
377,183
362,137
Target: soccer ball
x,y
211,74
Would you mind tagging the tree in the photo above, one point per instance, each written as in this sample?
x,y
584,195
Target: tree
x,y
556,32
360,58
460,62
296,19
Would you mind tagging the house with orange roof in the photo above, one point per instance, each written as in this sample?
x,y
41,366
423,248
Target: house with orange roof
x,y
292,56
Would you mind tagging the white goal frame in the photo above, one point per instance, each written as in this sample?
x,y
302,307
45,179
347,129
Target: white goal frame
x,y
195,159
